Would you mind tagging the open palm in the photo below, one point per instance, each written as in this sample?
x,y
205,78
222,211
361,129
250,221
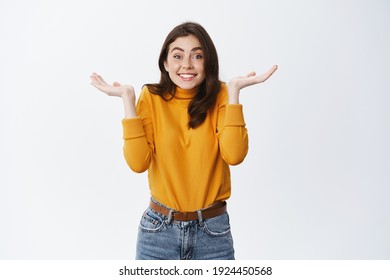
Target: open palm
x,y
116,89
241,82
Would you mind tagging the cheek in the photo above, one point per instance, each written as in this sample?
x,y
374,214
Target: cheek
x,y
171,66
200,68
172,76
200,65
166,65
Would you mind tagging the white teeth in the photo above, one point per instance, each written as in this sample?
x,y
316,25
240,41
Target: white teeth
x,y
187,76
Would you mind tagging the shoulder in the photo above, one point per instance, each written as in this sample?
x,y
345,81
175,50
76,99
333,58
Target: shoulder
x,y
224,89
222,95
145,91
152,92
145,98
146,94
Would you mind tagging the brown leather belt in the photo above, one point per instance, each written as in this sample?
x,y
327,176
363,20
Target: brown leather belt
x,y
214,210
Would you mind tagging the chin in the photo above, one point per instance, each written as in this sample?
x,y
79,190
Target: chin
x,y
187,87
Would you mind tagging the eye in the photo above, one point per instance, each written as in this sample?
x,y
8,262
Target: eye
x,y
177,56
198,56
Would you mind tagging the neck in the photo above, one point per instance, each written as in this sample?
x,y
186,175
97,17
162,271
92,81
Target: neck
x,y
185,93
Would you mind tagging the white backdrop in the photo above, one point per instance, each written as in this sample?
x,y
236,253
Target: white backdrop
x,y
315,184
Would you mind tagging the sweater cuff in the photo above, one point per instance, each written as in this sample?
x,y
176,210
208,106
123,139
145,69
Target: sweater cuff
x,y
132,128
234,115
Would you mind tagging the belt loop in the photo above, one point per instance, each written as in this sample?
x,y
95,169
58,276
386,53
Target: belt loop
x,y
200,218
169,220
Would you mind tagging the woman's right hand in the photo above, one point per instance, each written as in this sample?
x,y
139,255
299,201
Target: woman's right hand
x,y
116,89
126,92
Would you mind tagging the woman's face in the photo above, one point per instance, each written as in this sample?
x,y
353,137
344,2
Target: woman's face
x,y
184,63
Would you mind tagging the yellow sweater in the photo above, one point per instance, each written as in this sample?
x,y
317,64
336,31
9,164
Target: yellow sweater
x,y
187,168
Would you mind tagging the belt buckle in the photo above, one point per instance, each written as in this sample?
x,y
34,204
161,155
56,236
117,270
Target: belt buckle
x,y
172,214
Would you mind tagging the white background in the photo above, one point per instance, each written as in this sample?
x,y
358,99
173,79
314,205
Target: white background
x,y
316,181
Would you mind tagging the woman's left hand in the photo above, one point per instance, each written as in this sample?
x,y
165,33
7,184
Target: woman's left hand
x,y
238,83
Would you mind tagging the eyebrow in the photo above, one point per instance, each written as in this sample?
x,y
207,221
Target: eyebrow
x,y
180,49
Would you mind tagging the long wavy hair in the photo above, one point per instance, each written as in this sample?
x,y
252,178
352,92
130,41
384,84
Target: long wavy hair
x,y
207,94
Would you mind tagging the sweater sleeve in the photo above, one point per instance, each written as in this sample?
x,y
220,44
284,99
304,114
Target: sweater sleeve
x,y
232,133
138,136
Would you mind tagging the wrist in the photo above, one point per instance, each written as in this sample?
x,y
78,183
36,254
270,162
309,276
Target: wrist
x,y
233,94
128,96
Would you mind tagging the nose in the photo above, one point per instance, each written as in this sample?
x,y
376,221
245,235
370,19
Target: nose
x,y
187,64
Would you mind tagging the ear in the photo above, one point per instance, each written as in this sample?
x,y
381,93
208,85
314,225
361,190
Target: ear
x,y
166,65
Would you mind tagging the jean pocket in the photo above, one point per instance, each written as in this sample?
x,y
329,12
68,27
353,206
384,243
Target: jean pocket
x,y
217,226
151,221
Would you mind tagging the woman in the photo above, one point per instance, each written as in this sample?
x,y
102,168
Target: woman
x,y
185,130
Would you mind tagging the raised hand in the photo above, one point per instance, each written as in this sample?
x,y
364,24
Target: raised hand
x,y
238,83
126,92
116,89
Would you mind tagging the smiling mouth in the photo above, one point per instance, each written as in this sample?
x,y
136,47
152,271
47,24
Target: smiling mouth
x,y
187,76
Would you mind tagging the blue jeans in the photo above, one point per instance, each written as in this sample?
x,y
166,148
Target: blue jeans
x,y
160,238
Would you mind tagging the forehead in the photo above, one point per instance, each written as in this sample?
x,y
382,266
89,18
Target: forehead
x,y
186,43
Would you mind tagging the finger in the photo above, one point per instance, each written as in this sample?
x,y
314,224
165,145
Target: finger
x,y
99,79
269,73
97,85
251,74
116,84
272,70
95,77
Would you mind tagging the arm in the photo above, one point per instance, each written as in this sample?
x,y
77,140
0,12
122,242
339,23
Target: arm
x,y
233,137
138,135
232,133
137,147
138,144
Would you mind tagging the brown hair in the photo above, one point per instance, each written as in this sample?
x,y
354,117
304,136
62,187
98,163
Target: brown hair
x,y
208,89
